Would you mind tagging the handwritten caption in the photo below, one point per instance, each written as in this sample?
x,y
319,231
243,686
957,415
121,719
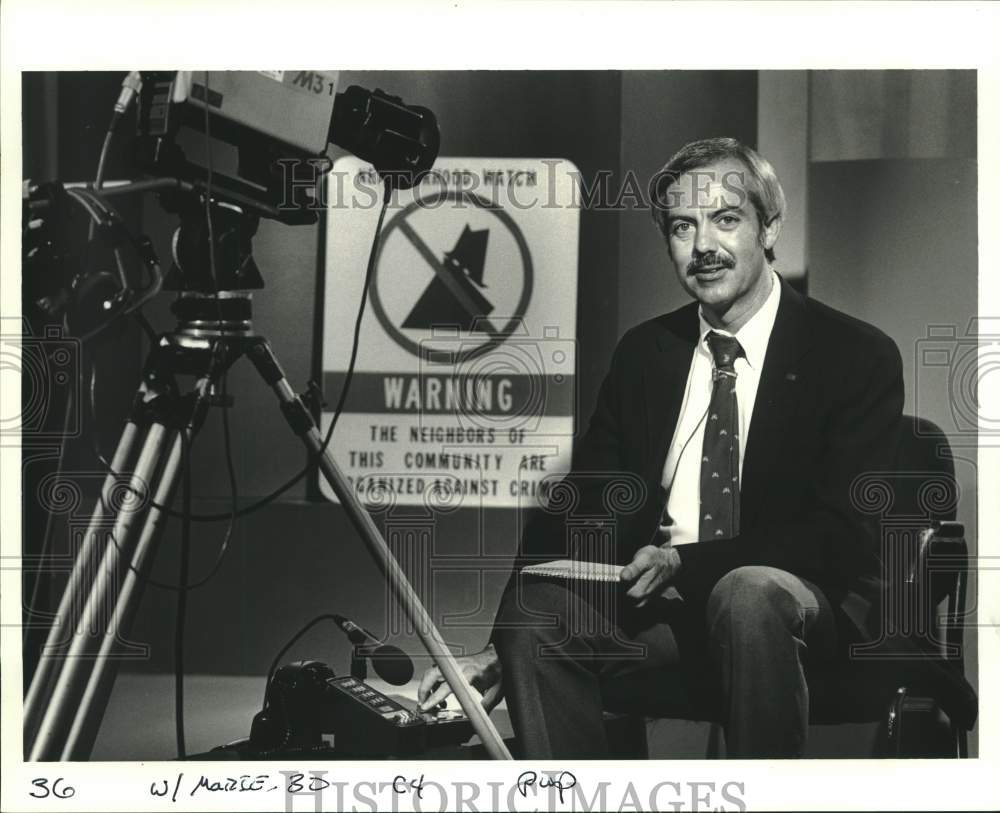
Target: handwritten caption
x,y
561,781
547,789
291,782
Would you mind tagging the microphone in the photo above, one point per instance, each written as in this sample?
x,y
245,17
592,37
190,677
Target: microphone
x,y
355,634
390,662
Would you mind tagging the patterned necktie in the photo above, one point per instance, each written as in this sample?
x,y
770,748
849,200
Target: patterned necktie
x,y
720,455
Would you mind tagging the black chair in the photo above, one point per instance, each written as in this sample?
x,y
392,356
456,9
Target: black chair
x,y
911,680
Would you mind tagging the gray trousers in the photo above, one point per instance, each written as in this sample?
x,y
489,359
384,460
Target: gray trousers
x,y
559,640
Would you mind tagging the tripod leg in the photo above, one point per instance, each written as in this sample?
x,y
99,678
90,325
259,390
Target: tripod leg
x,y
93,704
61,631
70,684
303,425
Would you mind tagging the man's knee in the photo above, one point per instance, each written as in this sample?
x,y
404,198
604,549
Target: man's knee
x,y
754,598
534,611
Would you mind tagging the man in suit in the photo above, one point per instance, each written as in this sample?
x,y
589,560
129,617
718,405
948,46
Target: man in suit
x,y
738,424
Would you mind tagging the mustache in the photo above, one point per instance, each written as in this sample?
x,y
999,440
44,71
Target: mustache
x,y
709,260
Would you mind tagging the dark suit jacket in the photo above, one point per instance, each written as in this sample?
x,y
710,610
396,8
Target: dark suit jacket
x,y
828,408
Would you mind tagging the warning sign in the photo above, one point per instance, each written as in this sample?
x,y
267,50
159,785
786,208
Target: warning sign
x,y
464,391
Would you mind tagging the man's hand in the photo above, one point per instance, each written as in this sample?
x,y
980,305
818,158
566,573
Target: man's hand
x,y
651,569
482,670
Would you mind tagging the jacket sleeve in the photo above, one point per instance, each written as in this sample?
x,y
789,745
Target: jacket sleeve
x,y
597,458
597,452
827,539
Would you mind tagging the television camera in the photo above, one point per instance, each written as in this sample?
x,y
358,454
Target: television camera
x,y
221,150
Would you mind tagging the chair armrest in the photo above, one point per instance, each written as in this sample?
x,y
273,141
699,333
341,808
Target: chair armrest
x,y
948,529
939,571
943,542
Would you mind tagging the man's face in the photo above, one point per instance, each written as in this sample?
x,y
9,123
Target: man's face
x,y
716,242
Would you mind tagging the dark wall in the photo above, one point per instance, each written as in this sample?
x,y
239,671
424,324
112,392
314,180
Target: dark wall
x,y
895,242
661,112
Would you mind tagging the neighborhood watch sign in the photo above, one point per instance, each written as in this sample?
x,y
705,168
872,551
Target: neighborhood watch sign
x,y
464,390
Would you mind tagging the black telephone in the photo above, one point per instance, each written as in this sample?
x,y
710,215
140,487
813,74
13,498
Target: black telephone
x,y
305,700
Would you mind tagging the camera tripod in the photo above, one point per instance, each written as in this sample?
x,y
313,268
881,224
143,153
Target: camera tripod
x,y
75,675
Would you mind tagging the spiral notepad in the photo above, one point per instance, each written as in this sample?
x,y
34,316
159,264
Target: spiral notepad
x,y
572,569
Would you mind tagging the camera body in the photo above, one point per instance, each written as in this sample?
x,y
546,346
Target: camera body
x,y
260,132
264,134
292,107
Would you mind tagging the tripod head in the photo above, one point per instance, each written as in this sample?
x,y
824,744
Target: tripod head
x,y
230,237
213,268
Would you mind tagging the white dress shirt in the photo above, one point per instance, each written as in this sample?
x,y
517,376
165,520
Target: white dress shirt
x,y
682,471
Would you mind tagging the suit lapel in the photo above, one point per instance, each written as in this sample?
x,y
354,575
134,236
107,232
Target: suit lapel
x,y
665,379
777,393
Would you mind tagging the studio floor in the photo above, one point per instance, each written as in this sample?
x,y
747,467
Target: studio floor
x,y
139,724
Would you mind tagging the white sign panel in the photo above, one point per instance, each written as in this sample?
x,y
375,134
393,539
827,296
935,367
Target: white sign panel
x,y
465,381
